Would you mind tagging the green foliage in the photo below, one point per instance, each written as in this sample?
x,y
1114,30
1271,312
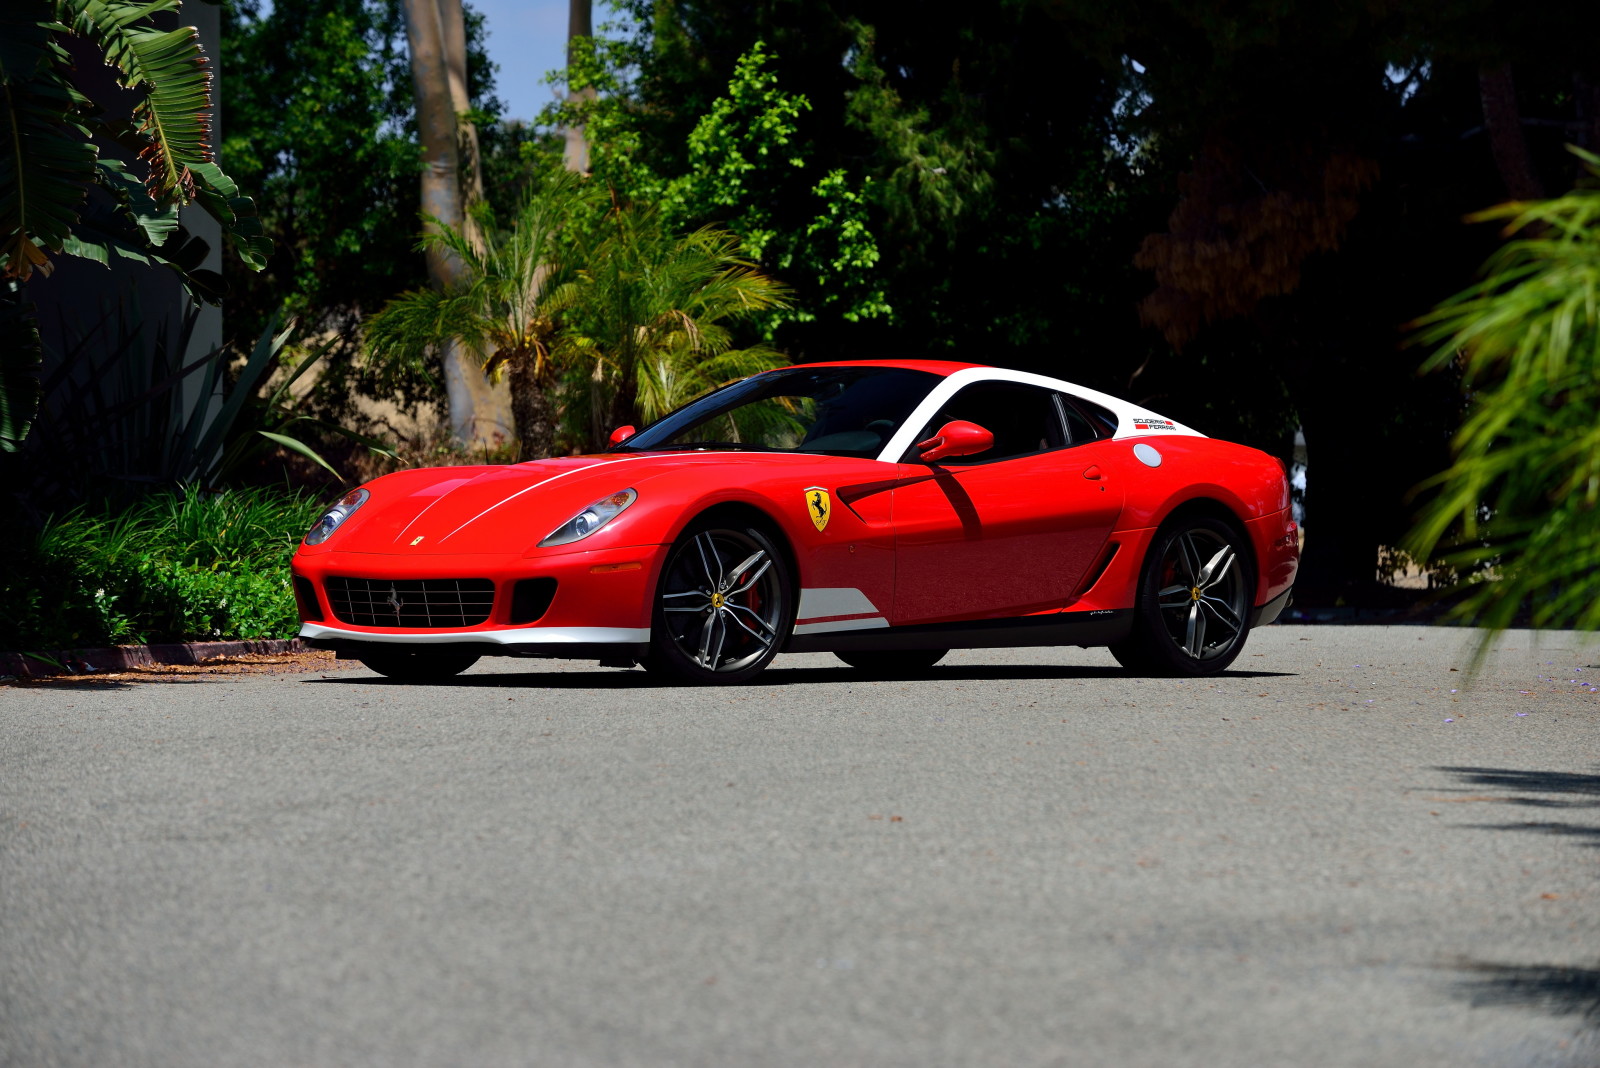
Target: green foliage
x,y
318,105
249,423
623,317
504,310
19,368
644,326
57,144
933,176
320,122
52,136
745,157
180,565
922,184
1519,509
47,164
843,253
122,410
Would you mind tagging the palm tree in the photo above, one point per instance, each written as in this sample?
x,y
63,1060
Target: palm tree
x,y
1519,509
600,317
646,321
499,304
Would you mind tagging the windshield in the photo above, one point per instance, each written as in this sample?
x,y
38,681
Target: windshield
x,y
839,411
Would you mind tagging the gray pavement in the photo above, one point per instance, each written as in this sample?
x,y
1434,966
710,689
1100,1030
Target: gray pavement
x,y
1340,854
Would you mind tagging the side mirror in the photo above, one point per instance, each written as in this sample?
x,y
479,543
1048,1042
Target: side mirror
x,y
955,438
621,434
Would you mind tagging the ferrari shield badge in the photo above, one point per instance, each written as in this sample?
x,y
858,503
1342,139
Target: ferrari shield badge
x,y
818,506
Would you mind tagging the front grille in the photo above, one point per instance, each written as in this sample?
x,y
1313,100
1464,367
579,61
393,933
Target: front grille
x,y
411,602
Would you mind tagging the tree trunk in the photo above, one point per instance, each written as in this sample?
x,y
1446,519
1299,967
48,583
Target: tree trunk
x,y
454,26
530,403
479,414
580,23
1503,120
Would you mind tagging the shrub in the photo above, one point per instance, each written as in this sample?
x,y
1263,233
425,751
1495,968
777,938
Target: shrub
x,y
179,565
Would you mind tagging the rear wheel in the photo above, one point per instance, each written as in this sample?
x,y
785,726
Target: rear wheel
x,y
1194,600
419,665
893,663
724,607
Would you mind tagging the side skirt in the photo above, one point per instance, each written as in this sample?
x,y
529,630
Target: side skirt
x,y
1101,627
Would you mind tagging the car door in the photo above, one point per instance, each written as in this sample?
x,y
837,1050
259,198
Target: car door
x,y
1011,531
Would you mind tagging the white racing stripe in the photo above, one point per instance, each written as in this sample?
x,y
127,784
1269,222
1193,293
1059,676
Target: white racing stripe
x,y
538,485
834,601
840,625
1128,415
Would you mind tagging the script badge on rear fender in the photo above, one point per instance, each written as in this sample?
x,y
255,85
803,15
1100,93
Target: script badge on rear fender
x,y
818,506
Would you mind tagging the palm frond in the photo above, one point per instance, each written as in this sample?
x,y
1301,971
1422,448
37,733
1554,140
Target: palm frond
x,y
1519,507
172,72
46,158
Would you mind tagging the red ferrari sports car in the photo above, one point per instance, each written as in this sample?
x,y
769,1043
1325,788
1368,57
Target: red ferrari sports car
x,y
886,511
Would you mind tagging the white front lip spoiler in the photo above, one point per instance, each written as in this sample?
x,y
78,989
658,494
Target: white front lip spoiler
x,y
528,636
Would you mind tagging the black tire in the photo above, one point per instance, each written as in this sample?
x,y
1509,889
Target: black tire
x,y
426,664
1195,592
724,606
893,663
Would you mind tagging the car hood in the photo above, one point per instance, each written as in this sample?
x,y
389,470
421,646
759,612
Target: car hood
x,y
454,510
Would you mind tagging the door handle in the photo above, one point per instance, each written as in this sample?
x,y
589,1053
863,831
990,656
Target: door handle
x,y
1092,473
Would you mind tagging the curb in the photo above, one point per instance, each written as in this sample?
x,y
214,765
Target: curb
x,y
129,657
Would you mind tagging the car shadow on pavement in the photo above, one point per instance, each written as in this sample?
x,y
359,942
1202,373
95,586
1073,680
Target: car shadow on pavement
x,y
619,679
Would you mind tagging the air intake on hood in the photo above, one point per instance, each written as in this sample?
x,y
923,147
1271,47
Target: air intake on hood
x,y
411,602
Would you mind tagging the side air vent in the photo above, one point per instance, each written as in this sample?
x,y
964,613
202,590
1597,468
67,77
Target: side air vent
x,y
1106,556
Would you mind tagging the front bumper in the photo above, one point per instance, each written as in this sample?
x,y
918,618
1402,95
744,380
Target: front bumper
x,y
601,606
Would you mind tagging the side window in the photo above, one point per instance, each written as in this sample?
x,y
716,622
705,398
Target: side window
x,y
1023,419
1079,429
1103,420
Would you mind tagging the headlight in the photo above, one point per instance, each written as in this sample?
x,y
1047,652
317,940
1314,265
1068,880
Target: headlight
x,y
337,514
590,519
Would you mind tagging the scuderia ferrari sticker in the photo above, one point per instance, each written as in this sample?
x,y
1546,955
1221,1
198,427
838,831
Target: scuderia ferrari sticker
x,y
818,506
1150,422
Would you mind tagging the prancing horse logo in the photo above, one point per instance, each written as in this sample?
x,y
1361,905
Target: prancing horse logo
x,y
818,506
394,600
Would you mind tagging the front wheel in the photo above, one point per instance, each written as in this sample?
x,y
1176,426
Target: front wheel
x,y
418,665
724,606
1194,598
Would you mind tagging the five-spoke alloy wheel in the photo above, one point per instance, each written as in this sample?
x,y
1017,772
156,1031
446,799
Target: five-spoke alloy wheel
x,y
724,606
1193,608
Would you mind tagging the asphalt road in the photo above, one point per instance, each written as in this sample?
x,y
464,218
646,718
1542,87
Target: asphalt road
x,y
1341,854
